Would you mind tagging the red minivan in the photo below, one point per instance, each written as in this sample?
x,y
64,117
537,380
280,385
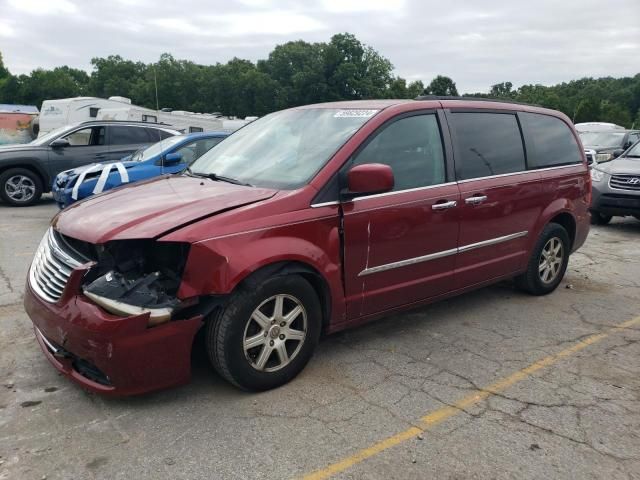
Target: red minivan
x,y
306,221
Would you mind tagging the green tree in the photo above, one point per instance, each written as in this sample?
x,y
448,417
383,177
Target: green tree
x,y
442,86
354,70
502,90
4,72
116,76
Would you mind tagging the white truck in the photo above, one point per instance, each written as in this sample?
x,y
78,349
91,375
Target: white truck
x,y
66,111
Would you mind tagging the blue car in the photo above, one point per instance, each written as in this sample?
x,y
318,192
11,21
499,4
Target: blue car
x,y
171,155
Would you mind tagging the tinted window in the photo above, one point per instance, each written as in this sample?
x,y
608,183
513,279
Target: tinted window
x,y
128,135
157,135
412,147
487,144
550,141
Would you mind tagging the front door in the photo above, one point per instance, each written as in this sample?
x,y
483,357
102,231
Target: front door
x,y
399,247
86,146
500,199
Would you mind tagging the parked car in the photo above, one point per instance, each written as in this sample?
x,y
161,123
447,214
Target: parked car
x,y
596,127
26,171
616,187
167,156
308,220
605,145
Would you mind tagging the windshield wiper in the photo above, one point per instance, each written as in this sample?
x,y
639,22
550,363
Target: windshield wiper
x,y
217,178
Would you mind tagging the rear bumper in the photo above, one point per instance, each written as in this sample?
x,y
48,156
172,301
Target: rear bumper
x,y
609,201
108,354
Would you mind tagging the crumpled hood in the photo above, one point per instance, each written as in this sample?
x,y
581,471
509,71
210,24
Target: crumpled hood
x,y
150,209
621,165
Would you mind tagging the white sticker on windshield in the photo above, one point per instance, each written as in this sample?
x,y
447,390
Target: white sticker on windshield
x,y
351,113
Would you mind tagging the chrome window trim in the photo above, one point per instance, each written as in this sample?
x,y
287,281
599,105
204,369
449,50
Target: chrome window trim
x,y
521,172
395,192
325,204
442,254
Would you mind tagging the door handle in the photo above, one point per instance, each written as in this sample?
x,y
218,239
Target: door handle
x,y
475,200
444,205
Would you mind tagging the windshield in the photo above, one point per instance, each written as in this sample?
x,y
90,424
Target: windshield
x,y
602,139
283,150
634,151
47,137
157,148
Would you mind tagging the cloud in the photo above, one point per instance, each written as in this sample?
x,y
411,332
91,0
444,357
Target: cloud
x,y
43,7
475,43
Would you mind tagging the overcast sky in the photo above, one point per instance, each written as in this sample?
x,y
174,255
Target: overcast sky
x,y
477,43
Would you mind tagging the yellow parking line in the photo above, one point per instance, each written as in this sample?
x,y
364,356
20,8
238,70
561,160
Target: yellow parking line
x,y
442,414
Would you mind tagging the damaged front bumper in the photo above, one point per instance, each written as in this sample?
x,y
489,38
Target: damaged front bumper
x,y
110,354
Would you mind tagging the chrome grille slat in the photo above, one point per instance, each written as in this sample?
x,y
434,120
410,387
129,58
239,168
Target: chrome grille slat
x,y
51,268
621,182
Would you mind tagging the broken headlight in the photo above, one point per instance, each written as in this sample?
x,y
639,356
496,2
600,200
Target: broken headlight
x,y
133,277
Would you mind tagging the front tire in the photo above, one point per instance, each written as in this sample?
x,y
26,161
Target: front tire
x,y
265,336
548,262
598,218
20,187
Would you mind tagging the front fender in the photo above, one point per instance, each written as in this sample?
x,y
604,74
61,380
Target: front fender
x,y
217,266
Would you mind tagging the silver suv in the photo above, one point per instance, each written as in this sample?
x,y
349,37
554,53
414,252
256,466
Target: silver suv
x,y
616,187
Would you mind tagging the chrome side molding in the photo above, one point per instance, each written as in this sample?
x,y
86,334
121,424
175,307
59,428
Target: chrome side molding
x,y
442,254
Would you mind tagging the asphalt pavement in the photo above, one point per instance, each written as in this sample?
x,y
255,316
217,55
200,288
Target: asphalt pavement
x,y
491,384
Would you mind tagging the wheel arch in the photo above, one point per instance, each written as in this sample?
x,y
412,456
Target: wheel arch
x,y
46,187
568,222
289,267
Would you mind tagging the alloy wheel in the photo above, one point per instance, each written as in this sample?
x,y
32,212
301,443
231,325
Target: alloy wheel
x,y
20,188
275,333
551,260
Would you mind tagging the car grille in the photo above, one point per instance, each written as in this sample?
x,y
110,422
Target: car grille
x,y
52,267
625,182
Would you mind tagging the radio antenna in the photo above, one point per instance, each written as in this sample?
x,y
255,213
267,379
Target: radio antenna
x,y
155,82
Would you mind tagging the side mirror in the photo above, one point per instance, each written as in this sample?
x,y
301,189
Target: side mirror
x,y
369,178
617,153
172,158
59,143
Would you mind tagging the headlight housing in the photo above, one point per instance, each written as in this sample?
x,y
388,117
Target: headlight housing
x,y
597,175
603,157
133,277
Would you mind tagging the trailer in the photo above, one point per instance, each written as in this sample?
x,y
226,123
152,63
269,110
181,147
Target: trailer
x,y
66,111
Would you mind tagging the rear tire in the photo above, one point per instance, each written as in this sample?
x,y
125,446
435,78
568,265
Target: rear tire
x,y
598,218
548,262
20,187
265,336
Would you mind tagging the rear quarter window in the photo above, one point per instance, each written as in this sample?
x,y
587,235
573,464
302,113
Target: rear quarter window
x,y
486,144
550,141
126,135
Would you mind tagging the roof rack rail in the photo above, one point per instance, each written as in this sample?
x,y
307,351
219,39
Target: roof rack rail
x,y
473,99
